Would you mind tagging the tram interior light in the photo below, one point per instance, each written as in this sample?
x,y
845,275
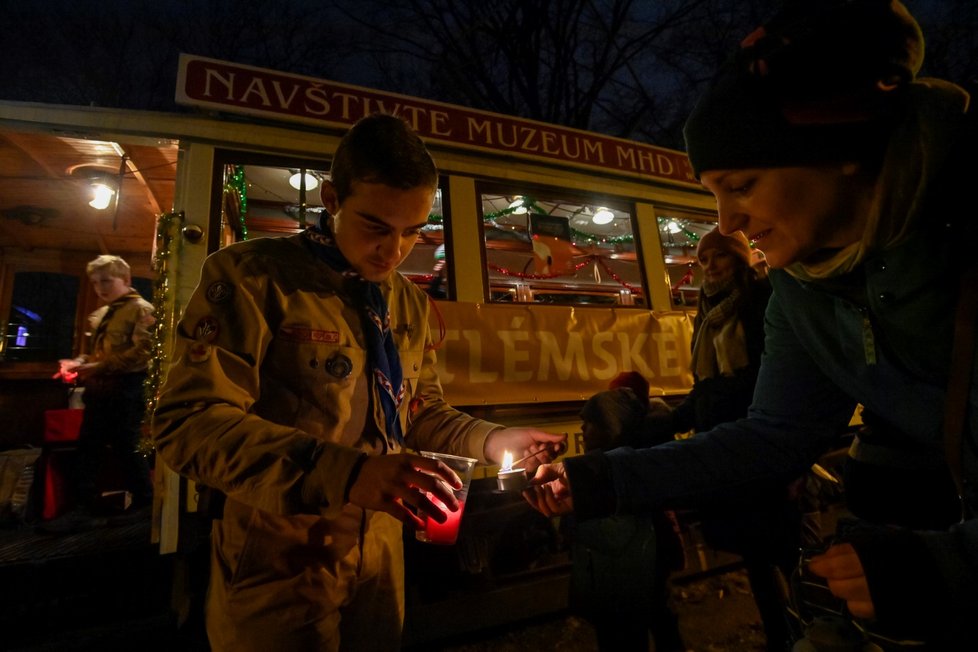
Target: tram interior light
x,y
102,194
517,205
296,180
673,226
602,216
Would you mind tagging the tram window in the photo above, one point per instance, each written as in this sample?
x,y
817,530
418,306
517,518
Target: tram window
x,y
680,235
428,265
261,201
548,247
41,323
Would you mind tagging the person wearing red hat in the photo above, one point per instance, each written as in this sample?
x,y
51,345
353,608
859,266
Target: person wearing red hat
x,y
823,146
622,563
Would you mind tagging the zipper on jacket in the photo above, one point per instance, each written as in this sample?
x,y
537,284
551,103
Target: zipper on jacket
x,y
869,338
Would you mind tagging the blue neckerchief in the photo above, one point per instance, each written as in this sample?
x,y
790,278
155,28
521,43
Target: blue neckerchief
x,y
382,356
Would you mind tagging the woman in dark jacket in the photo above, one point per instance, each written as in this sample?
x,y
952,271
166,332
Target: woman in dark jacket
x,y
855,178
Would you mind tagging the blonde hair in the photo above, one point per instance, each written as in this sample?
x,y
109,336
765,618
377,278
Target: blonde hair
x,y
114,265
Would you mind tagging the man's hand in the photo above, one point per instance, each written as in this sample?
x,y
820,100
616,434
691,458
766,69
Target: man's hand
x,y
67,370
841,567
549,491
397,483
86,370
542,447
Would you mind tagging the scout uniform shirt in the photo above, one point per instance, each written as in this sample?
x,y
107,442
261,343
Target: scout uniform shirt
x,y
268,401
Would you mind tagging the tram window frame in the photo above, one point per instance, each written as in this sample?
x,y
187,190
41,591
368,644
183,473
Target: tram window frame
x,y
430,263
227,226
420,266
679,234
59,293
617,285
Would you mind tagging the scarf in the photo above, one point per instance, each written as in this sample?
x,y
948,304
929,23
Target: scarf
x,y
103,323
720,346
384,363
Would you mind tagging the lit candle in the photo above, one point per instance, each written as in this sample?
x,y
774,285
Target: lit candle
x,y
508,478
444,533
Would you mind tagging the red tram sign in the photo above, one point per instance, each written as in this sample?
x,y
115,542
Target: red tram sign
x,y
237,88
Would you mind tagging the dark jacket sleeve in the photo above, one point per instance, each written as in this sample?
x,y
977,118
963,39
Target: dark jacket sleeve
x,y
779,440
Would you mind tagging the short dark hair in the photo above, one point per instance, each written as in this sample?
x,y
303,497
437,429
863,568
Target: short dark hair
x,y
382,148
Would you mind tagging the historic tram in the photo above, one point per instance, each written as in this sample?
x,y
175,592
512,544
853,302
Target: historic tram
x,y
556,259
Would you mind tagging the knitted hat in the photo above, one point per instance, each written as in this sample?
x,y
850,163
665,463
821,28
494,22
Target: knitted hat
x,y
735,244
821,82
633,381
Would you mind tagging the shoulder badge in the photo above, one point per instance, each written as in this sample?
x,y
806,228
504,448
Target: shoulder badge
x,y
219,292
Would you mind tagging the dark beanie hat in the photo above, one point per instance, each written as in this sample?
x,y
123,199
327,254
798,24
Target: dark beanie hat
x,y
821,82
735,244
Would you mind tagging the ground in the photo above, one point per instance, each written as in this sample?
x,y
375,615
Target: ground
x,y
716,614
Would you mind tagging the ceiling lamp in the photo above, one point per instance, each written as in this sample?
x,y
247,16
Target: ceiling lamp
x,y
518,205
602,216
673,226
102,194
297,178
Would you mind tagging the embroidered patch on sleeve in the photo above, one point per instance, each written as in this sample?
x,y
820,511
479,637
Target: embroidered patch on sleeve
x,y
205,332
207,329
219,292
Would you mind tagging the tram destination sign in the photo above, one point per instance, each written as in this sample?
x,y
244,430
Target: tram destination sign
x,y
221,85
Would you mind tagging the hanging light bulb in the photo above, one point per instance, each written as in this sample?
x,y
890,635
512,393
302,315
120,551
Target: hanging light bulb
x,y
102,195
517,204
673,227
602,216
296,181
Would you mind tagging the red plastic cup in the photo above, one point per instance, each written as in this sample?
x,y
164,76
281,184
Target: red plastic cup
x,y
447,533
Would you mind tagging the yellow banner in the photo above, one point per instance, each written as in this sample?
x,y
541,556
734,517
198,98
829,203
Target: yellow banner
x,y
501,354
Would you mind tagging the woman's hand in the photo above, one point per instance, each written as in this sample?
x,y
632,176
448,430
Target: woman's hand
x,y
549,491
840,565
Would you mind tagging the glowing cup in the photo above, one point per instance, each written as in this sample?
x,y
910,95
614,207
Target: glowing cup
x,y
447,533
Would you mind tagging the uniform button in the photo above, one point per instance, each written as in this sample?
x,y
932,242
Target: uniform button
x,y
314,363
885,297
415,366
881,266
339,366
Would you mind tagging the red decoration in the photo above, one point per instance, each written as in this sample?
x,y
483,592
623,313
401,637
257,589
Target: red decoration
x,y
578,267
622,283
687,278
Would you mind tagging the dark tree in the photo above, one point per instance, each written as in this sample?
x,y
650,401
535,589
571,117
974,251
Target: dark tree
x,y
590,64
628,68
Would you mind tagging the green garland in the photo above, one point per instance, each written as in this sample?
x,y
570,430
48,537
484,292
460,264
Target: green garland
x,y
238,184
168,227
691,237
577,237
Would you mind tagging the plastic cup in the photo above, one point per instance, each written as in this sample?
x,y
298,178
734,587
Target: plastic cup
x,y
447,533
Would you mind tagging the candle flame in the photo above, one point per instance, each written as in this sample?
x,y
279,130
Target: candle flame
x,y
507,461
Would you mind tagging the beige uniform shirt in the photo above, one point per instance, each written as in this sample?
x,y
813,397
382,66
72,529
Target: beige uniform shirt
x,y
125,343
267,400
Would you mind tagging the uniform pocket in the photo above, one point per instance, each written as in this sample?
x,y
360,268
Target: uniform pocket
x,y
314,386
411,362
